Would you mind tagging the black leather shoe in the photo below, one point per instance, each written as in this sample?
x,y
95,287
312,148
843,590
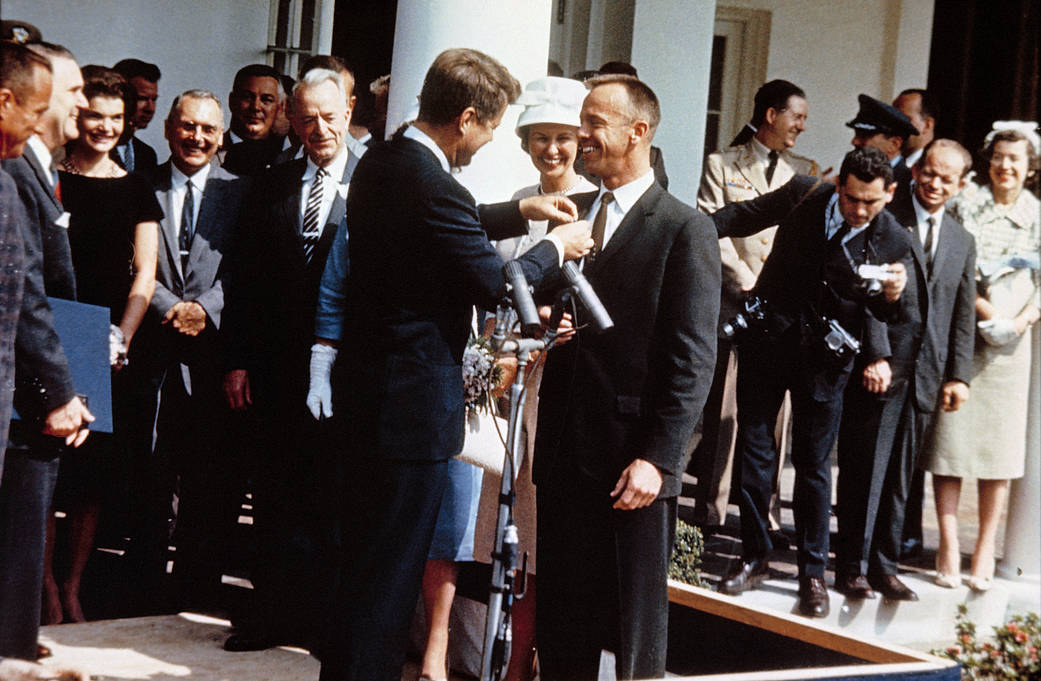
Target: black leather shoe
x,y
854,586
892,588
248,641
813,597
745,576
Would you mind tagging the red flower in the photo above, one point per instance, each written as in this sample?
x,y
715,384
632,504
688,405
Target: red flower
x,y
1021,637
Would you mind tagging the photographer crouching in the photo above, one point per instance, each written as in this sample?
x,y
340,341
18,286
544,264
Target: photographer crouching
x,y
838,259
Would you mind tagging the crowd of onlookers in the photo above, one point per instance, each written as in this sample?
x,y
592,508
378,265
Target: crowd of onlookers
x,y
887,311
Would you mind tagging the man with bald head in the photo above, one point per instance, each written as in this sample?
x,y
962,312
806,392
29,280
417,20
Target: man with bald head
x,y
182,368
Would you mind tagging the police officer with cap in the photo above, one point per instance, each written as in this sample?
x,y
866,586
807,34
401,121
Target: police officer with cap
x,y
885,128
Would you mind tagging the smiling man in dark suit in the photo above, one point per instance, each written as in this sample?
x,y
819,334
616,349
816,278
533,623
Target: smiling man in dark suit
x,y
616,411
420,260
284,239
181,367
809,285
132,153
928,351
45,395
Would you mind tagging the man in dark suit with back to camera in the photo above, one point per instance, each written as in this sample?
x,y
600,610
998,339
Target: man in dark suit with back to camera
x,y
420,260
45,395
182,402
617,410
132,153
928,356
816,310
293,213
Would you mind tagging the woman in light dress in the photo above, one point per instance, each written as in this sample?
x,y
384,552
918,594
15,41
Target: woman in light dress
x,y
986,438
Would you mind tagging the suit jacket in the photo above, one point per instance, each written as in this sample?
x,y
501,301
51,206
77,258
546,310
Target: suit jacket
x,y
272,293
950,320
11,283
251,157
739,174
800,283
45,211
420,260
43,378
145,161
223,198
635,391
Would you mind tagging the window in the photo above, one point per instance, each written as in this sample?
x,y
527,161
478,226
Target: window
x,y
293,31
739,55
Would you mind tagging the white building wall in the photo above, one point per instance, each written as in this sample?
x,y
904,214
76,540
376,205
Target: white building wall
x,y
837,49
672,49
195,43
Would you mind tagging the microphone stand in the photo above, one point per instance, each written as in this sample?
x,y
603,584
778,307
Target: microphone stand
x,y
497,633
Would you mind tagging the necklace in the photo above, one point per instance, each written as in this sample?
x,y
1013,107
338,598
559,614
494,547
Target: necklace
x,y
68,166
561,192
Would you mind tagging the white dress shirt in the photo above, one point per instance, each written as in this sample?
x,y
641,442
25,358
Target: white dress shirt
x,y
330,187
625,197
921,215
835,220
43,155
178,190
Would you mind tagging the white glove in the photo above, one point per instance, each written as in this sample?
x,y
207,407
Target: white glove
x,y
320,393
117,347
998,332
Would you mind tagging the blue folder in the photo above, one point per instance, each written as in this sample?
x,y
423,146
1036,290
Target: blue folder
x,y
83,330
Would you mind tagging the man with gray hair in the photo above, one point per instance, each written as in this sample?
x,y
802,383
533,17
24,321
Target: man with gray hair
x,y
182,369
269,325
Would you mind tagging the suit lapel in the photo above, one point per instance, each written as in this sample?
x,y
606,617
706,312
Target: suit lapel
x,y
629,227
42,176
163,187
205,226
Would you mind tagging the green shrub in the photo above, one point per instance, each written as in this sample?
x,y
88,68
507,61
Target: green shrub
x,y
1011,655
685,565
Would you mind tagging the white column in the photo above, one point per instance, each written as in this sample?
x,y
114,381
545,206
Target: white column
x,y
324,39
1022,558
516,32
672,50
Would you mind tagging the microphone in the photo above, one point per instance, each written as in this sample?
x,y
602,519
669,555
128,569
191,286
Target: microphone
x,y
581,287
522,300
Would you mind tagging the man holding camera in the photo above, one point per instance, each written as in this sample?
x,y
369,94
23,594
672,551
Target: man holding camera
x,y
818,298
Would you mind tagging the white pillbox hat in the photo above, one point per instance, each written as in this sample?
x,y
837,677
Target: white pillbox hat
x,y
551,100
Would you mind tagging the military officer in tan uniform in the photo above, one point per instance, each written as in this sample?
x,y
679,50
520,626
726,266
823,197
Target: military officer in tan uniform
x,y
759,160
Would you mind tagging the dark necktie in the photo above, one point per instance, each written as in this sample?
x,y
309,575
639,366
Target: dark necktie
x,y
771,168
600,225
310,231
187,225
930,234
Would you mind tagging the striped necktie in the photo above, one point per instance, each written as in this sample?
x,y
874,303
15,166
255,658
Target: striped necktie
x,y
310,230
600,226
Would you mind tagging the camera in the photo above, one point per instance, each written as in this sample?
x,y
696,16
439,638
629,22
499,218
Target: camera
x,y
838,344
871,279
753,316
